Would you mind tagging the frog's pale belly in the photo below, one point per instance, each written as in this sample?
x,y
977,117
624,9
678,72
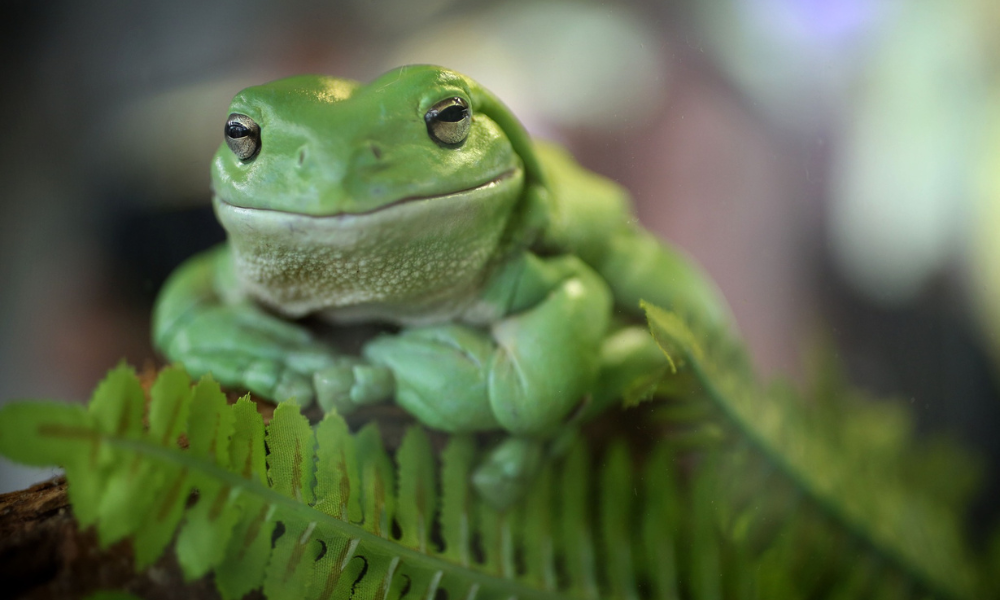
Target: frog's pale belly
x,y
415,262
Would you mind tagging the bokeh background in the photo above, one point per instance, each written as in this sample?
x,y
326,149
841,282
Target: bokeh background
x,y
833,164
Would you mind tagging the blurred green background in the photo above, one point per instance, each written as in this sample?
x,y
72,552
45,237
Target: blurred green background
x,y
834,164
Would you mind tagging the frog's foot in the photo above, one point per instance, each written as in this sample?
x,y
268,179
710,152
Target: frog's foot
x,y
351,383
244,347
505,474
282,378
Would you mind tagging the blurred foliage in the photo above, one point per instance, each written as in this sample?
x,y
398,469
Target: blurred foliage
x,y
833,484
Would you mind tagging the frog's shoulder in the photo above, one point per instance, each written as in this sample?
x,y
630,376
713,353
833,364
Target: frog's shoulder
x,y
582,206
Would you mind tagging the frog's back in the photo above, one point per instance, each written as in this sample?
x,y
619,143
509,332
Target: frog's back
x,y
591,216
585,209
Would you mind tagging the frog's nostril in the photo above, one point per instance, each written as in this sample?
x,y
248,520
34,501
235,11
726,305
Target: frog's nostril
x,y
302,156
376,151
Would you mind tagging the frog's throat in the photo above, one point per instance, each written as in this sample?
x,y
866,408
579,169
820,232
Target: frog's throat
x,y
496,181
421,260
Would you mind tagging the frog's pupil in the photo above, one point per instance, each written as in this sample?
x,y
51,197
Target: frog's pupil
x,y
236,130
453,114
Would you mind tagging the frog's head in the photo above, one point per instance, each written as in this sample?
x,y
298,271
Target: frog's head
x,y
335,193
321,146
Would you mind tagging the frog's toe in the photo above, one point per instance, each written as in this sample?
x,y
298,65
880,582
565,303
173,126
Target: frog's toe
x,y
310,358
352,383
372,383
294,386
504,476
274,380
261,376
333,388
232,370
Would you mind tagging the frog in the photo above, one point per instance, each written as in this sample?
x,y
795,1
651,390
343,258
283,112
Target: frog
x,y
505,278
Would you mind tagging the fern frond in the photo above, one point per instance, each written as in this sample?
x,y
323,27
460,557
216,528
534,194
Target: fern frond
x,y
750,493
301,512
818,499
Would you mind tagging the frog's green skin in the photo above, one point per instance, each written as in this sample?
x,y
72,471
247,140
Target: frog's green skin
x,y
500,257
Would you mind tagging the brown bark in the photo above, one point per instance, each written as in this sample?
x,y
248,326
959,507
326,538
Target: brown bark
x,y
43,554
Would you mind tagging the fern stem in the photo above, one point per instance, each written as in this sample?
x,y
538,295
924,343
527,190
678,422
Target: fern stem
x,y
479,580
785,468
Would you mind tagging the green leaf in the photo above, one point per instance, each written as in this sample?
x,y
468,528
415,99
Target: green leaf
x,y
417,497
170,399
118,404
456,499
617,499
538,532
495,536
662,513
205,534
289,463
290,472
49,433
750,493
248,552
576,537
145,494
377,481
704,564
293,559
246,449
337,479
842,457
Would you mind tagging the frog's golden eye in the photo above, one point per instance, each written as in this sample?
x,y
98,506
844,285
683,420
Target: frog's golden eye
x,y
448,121
242,136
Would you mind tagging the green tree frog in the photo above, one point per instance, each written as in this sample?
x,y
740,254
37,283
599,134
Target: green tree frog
x,y
419,201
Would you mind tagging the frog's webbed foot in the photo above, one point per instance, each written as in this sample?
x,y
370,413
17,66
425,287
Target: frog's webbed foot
x,y
276,379
242,346
508,471
351,383
505,474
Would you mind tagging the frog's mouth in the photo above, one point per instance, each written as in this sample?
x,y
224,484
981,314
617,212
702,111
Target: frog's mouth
x,y
481,189
418,251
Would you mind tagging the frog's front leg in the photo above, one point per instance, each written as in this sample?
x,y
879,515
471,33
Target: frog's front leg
x,y
202,321
525,374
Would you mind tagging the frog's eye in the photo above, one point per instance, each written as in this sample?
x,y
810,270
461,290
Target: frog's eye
x,y
242,136
448,121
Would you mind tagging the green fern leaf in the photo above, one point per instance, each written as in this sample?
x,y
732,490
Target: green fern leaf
x,y
118,405
204,537
538,532
456,499
801,479
417,497
378,482
660,518
574,523
170,484
246,557
337,480
263,516
290,472
616,508
749,494
338,486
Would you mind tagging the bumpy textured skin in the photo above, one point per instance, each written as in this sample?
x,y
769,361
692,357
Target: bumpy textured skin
x,y
501,258
394,264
